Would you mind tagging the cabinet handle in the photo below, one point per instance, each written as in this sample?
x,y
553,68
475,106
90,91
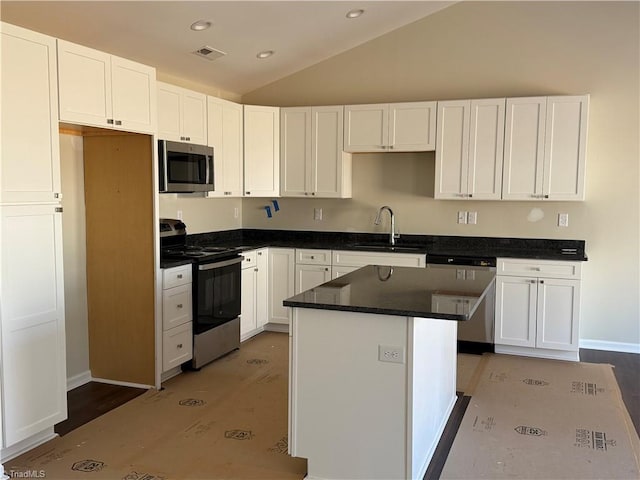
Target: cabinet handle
x,y
541,281
313,193
110,121
312,257
532,281
546,196
390,147
179,305
259,253
179,275
188,139
326,269
181,138
470,195
118,122
248,193
179,345
255,269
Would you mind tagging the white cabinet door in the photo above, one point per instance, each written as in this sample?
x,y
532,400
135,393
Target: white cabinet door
x,y
295,151
84,76
182,114
281,283
558,313
452,152
29,141
225,135
102,90
133,95
309,276
330,166
470,149
338,271
412,126
32,313
486,145
565,147
516,306
262,287
524,148
366,128
194,117
248,308
261,151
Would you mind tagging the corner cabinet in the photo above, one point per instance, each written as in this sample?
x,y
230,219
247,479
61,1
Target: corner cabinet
x,y
397,127
538,308
225,135
469,149
182,114
545,148
312,162
261,151
313,268
33,377
103,90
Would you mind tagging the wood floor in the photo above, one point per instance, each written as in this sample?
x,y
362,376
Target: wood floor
x,y
94,399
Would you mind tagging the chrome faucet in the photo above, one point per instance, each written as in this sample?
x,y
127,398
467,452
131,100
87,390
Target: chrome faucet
x,y
392,233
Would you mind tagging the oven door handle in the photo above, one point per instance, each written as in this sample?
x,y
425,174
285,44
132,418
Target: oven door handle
x,y
226,263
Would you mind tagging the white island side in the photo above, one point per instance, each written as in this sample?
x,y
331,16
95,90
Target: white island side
x,y
370,389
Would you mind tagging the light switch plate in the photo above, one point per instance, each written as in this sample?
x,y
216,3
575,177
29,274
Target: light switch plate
x,y
563,219
472,218
462,217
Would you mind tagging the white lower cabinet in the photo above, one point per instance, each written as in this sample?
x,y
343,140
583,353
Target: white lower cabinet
x,y
281,284
254,293
177,316
34,377
313,268
345,261
538,308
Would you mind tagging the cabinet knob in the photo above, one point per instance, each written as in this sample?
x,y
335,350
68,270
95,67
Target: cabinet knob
x,y
326,269
248,193
188,139
470,195
259,253
313,193
541,281
312,257
546,196
181,138
179,345
179,305
110,121
255,269
532,281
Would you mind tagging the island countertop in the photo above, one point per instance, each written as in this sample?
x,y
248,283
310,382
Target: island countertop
x,y
438,291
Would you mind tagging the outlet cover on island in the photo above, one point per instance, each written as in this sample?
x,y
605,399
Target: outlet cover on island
x,y
472,218
317,214
462,217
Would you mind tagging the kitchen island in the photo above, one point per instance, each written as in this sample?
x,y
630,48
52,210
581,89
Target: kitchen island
x,y
372,378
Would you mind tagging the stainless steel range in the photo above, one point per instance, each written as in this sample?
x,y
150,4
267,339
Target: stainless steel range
x,y
216,291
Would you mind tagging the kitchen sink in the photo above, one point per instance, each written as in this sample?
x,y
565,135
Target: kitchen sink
x,y
385,247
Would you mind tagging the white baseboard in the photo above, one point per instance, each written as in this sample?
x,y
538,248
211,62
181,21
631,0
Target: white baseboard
x,y
277,327
27,444
78,380
610,346
122,384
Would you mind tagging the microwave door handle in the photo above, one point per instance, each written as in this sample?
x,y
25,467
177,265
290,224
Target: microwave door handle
x,y
210,170
226,263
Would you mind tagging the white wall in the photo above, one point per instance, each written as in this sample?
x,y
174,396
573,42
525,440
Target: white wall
x,y
75,256
487,49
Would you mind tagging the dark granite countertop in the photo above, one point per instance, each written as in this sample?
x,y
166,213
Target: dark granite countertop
x,y
535,248
174,263
437,291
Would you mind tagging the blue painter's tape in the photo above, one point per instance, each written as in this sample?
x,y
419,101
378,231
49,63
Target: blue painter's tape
x,y
276,207
268,210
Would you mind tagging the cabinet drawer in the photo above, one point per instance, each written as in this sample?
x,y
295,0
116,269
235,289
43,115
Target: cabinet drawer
x,y
172,277
361,258
250,259
313,256
177,346
538,268
176,306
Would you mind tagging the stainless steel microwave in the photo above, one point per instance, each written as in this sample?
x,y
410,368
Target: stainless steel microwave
x,y
185,167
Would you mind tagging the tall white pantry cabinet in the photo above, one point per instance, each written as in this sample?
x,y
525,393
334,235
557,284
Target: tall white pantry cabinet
x,y
32,326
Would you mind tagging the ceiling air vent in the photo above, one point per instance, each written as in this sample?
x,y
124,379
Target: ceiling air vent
x,y
209,53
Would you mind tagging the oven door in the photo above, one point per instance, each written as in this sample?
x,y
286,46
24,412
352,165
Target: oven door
x,y
216,293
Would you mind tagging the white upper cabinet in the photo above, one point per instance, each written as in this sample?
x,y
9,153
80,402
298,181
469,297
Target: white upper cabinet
x,y
469,149
312,162
103,90
225,135
182,114
29,140
545,148
261,151
398,127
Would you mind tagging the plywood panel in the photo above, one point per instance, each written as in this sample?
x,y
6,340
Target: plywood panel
x,y
120,262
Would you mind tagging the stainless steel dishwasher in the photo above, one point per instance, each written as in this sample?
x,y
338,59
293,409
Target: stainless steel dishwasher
x,y
476,334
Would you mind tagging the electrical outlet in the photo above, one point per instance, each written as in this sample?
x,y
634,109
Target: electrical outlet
x,y
389,353
563,219
236,212
472,218
180,215
317,214
462,217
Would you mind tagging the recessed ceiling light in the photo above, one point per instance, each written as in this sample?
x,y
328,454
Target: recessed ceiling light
x,y
200,25
355,13
265,54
